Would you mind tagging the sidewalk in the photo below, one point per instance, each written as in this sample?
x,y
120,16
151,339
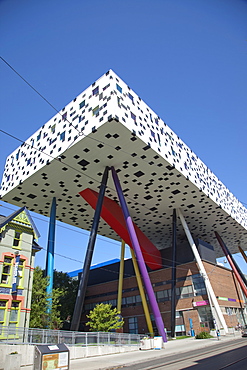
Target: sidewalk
x,y
128,358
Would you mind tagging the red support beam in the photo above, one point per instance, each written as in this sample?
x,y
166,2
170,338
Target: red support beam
x,y
112,214
229,259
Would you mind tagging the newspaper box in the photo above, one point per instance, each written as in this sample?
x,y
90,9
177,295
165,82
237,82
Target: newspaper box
x,y
54,356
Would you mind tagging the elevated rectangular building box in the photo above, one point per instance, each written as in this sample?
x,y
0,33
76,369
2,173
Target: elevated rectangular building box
x,y
54,356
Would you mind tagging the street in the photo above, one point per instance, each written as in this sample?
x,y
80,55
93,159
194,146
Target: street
x,y
231,355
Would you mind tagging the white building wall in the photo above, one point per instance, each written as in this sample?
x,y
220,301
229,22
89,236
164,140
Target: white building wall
x,y
114,99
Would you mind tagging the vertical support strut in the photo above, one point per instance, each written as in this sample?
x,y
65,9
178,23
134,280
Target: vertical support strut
x,y
210,292
50,251
142,294
173,287
139,256
88,259
120,278
231,263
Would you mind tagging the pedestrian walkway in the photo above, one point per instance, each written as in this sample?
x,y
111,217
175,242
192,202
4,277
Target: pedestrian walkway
x,y
119,360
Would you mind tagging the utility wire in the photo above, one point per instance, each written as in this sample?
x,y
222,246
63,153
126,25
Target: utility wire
x,y
57,111
77,171
179,268
37,92
68,228
193,270
80,133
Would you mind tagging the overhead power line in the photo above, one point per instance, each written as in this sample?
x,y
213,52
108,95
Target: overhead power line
x,y
80,133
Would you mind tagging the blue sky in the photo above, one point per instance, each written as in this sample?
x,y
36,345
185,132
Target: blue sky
x,y
186,58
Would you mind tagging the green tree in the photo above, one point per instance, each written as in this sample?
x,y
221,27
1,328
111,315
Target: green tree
x,y
40,316
69,287
104,318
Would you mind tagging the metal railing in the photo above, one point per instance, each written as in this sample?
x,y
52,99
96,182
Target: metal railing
x,y
47,336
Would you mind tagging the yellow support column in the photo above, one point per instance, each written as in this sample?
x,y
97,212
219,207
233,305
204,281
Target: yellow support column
x,y
120,279
142,294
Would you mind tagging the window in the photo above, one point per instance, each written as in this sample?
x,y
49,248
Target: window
x,y
138,299
130,300
7,270
133,325
17,239
119,88
131,97
20,278
14,314
133,116
3,312
179,314
96,111
62,136
96,90
53,128
180,329
81,105
186,291
228,310
64,116
74,118
106,87
199,285
205,316
163,295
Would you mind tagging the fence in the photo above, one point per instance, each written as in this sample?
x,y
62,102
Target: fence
x,y
46,336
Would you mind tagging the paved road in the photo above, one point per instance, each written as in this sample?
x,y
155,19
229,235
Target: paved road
x,y
230,356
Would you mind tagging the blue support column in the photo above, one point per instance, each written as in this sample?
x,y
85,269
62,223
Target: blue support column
x,y
50,250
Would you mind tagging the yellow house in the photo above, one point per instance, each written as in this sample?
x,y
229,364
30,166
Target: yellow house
x,y
17,254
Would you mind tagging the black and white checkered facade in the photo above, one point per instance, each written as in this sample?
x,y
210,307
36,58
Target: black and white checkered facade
x,y
108,124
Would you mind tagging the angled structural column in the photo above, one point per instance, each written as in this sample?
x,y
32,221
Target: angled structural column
x,y
174,264
211,296
142,294
88,259
235,269
120,277
139,257
50,251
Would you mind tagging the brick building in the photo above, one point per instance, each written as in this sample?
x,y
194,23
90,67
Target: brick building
x,y
191,296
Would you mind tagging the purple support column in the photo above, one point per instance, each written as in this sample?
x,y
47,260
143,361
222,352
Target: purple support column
x,y
139,257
